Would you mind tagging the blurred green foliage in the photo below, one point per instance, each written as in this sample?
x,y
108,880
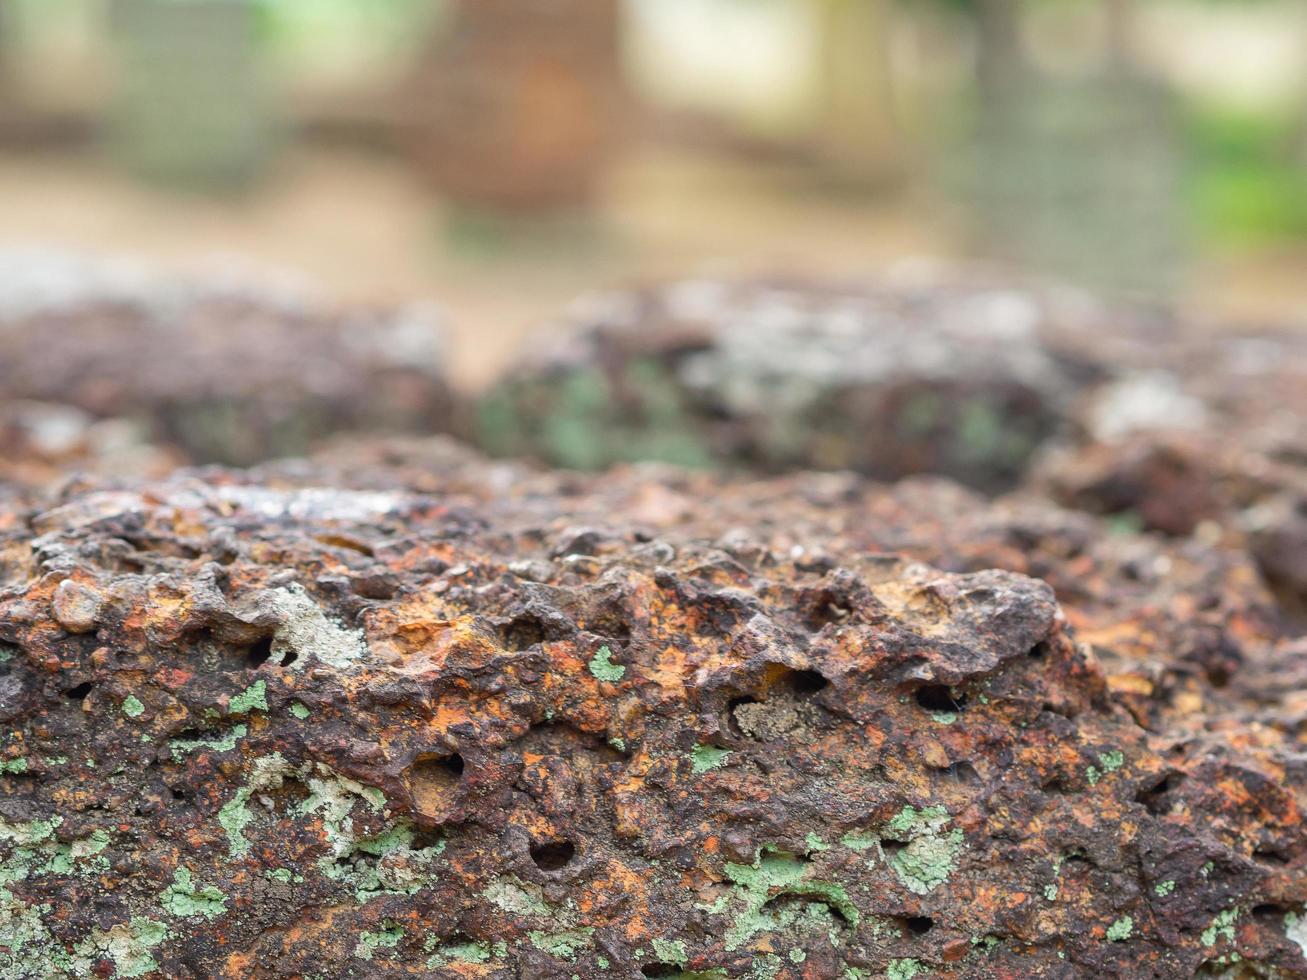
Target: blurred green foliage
x,y
1248,175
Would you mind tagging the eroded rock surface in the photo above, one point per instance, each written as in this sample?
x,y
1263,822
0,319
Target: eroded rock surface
x,y
1210,441
221,368
958,377
456,719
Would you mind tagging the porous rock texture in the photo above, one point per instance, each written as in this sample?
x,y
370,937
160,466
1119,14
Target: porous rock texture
x,y
219,368
1168,424
960,376
42,443
1207,436
457,719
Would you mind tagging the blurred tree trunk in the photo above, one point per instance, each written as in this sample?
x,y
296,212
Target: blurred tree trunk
x,y
1122,30
8,83
192,105
1297,146
6,39
1000,60
859,136
518,107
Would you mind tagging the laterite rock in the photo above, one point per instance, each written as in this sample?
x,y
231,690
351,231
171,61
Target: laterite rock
x,y
215,369
456,719
961,377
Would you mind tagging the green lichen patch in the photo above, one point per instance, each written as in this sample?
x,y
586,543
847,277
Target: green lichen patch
x,y
132,706
333,797
904,969
386,864
1163,888
253,698
814,844
390,936
671,951
1222,927
930,855
223,743
860,840
129,945
1121,930
518,898
565,944
233,818
776,874
602,666
1109,762
29,832
308,632
469,952
37,853
911,822
78,856
184,899
706,757
299,711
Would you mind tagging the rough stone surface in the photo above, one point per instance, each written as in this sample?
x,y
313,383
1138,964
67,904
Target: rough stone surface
x,y
1181,626
1164,424
456,719
1208,441
962,378
42,443
221,368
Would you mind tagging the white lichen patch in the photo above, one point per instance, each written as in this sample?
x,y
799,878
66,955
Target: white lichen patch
x,y
305,630
1295,930
331,794
521,899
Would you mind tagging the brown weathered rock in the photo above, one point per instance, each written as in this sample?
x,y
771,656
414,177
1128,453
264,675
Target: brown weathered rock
x,y
648,724
960,377
218,369
1215,444
1171,621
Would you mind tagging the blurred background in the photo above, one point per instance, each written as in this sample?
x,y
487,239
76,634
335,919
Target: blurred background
x,y
502,156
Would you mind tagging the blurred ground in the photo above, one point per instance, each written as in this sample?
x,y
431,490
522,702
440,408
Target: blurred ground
x,y
361,228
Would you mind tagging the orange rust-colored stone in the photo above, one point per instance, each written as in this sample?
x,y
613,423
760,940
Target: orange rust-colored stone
x,y
433,722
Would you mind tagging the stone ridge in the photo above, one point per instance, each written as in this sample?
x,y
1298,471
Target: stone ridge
x,y
267,730
98,356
